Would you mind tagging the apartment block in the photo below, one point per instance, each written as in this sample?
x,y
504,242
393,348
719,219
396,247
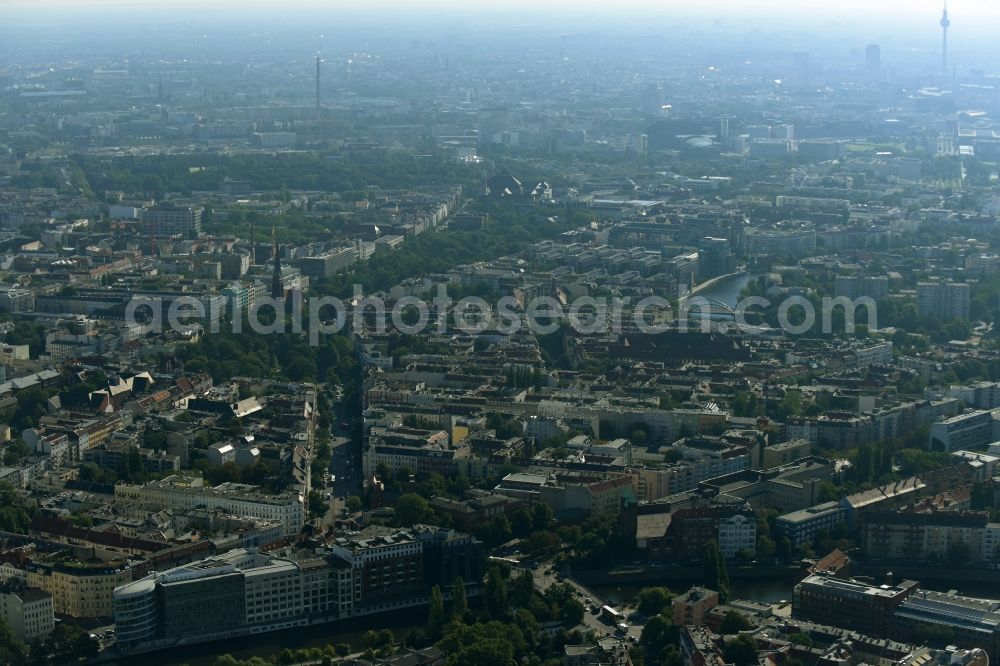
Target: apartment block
x,y
173,220
79,589
782,453
929,536
855,286
943,300
27,611
238,499
973,429
680,534
328,263
803,525
981,395
691,607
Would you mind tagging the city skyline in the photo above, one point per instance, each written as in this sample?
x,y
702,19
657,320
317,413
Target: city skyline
x,y
826,9
450,334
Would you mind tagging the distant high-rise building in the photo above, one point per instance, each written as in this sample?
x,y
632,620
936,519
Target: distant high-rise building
x,y
945,24
715,257
943,300
857,286
173,220
779,243
769,149
327,263
318,61
970,430
236,188
873,60
652,100
275,139
492,122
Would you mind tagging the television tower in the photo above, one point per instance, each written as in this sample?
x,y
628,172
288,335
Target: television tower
x,y
277,289
945,24
318,61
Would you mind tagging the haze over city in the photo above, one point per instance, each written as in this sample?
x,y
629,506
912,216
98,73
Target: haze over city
x,y
465,334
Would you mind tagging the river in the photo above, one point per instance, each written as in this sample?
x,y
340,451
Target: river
x,y
727,290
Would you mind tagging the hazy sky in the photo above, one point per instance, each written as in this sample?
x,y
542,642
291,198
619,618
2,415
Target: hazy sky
x,y
803,24
907,30
969,8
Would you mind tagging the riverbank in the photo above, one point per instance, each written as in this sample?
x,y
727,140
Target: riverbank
x,y
709,284
271,643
